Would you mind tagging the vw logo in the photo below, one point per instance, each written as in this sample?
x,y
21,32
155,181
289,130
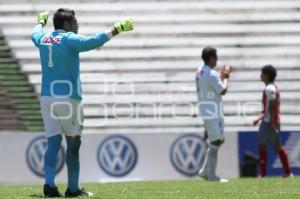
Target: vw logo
x,y
35,156
187,154
117,155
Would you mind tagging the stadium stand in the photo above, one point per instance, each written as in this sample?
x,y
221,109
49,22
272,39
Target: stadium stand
x,y
19,104
140,80
9,117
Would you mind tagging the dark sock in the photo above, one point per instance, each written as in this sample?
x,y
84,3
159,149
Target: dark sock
x,y
72,160
263,158
284,160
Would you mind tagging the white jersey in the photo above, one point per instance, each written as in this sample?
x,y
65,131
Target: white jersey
x,y
271,92
209,88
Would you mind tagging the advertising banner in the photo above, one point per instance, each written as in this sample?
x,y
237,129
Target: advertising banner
x,y
116,157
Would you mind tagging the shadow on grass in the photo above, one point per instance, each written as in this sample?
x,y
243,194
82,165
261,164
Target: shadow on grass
x,y
42,196
36,196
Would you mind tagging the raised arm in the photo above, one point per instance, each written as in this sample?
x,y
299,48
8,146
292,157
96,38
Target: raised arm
x,y
220,82
38,32
85,43
225,74
225,84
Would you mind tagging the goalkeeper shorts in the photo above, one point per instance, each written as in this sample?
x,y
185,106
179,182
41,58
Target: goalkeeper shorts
x,y
62,116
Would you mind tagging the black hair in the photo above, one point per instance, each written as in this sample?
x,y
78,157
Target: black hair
x,y
270,71
208,52
62,15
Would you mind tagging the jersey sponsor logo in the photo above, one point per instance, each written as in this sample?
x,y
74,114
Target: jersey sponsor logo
x,y
49,40
35,156
188,153
117,155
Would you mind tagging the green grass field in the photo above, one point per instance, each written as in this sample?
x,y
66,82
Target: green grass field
x,y
273,188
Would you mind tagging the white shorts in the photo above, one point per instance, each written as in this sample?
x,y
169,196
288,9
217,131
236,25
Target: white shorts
x,y
215,129
62,116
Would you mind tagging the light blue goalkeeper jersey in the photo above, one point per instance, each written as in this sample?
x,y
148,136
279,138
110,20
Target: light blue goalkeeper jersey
x,y
59,55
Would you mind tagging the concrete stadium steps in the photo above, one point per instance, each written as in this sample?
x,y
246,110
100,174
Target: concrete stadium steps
x,y
9,118
113,1
152,42
175,53
162,18
177,98
176,121
166,77
17,97
34,67
154,6
155,64
174,87
170,129
183,30
144,110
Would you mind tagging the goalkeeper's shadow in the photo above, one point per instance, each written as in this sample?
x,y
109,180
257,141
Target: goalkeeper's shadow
x,y
36,196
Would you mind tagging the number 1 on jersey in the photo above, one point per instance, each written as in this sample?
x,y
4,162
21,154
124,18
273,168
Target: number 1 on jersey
x,y
50,62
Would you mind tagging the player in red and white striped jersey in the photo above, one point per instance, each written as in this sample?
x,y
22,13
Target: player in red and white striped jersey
x,y
270,127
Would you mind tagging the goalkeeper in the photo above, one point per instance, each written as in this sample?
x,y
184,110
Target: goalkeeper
x,y
61,91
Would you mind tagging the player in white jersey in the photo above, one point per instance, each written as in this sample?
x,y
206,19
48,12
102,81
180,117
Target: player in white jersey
x,y
210,88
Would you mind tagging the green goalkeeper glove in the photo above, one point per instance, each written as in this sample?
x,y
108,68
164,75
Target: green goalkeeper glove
x,y
42,18
125,25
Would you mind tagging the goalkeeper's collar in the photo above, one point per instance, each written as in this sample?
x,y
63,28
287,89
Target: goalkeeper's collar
x,y
60,30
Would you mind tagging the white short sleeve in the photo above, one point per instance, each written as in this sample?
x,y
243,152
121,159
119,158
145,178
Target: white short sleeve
x,y
270,92
215,82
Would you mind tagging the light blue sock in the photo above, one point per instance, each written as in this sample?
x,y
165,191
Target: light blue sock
x,y
72,160
50,159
